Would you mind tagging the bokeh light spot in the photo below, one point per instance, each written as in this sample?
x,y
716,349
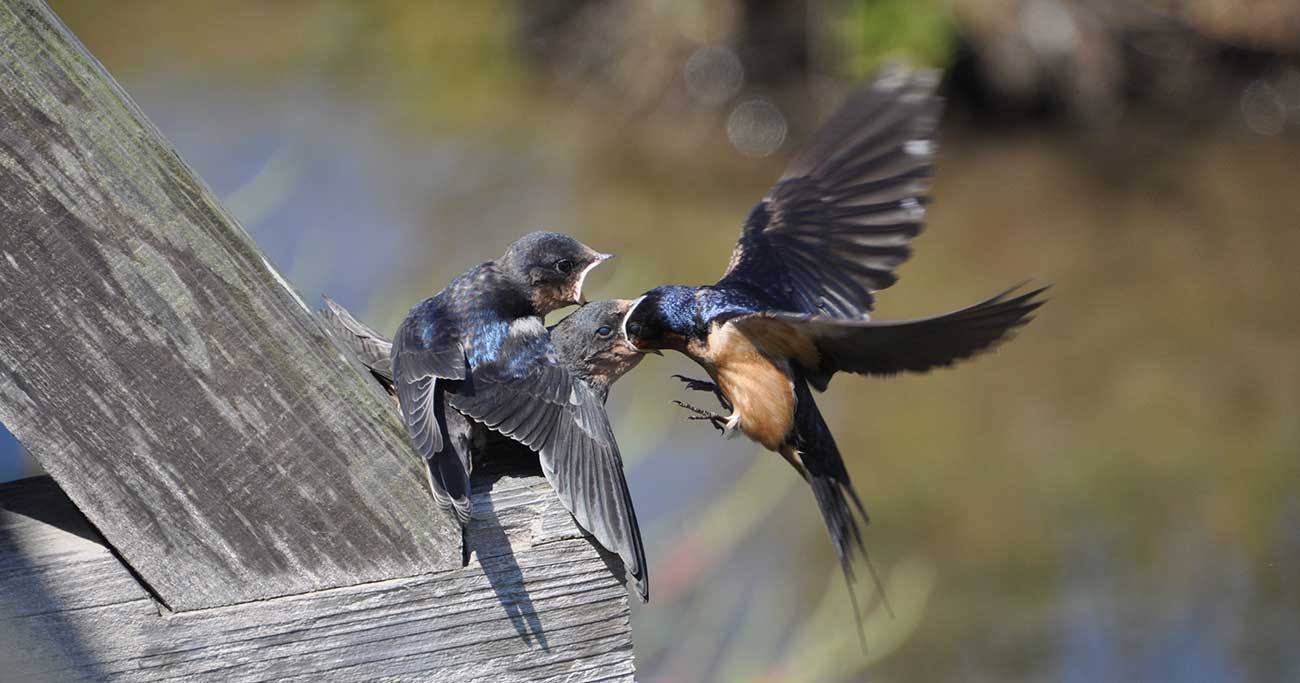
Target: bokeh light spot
x,y
756,128
1049,28
713,75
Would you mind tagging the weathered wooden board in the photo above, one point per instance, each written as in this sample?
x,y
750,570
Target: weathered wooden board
x,y
536,604
162,371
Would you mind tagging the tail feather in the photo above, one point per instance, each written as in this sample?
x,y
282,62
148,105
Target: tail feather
x,y
886,348
820,462
372,348
833,498
449,468
826,345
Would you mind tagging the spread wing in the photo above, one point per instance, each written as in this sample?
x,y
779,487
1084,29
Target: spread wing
x,y
825,345
425,352
529,397
841,218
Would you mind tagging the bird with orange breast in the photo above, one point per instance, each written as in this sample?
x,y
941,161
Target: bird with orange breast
x,y
792,308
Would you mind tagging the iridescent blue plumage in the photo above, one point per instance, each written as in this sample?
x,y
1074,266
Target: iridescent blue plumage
x,y
689,311
478,353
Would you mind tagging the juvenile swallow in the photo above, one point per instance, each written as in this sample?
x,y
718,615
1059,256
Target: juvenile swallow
x,y
792,308
586,342
477,353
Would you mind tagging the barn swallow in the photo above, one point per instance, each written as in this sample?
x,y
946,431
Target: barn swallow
x,y
792,308
586,342
477,354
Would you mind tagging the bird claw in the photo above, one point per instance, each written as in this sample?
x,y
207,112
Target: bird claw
x,y
718,421
697,384
702,385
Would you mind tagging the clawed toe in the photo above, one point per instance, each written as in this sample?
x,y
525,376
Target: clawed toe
x,y
696,384
718,421
702,385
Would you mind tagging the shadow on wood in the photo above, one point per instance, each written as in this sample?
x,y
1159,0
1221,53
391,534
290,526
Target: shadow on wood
x,y
490,544
34,535
447,626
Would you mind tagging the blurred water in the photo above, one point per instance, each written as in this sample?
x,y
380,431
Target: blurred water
x,y
1109,497
13,460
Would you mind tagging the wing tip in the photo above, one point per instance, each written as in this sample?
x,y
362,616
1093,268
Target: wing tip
x,y
855,184
463,509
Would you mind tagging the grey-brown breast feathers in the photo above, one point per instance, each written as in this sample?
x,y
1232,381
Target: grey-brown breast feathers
x,y
559,416
840,219
889,347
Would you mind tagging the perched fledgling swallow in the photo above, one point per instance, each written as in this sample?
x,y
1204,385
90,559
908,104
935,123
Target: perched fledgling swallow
x,y
587,342
792,308
477,353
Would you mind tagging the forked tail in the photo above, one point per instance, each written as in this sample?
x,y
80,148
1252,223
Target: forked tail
x,y
839,503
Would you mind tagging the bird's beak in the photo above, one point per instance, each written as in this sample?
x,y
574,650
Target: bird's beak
x,y
578,296
628,338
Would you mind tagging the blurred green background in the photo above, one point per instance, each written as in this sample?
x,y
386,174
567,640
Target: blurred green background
x,y
1112,496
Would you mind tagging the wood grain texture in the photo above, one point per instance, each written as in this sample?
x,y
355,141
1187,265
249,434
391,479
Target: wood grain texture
x,y
158,367
536,603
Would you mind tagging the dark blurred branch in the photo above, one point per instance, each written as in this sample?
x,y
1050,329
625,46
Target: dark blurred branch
x,y
773,41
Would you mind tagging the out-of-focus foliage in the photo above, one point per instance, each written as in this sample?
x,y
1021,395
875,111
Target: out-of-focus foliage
x,y
1109,497
921,32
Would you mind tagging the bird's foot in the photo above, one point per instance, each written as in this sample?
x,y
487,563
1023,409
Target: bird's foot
x,y
719,421
697,384
703,385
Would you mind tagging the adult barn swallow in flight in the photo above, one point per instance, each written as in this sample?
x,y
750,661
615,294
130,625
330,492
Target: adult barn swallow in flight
x,y
478,353
792,308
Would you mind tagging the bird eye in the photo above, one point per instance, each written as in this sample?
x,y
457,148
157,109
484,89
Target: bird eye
x,y
634,328
564,265
604,331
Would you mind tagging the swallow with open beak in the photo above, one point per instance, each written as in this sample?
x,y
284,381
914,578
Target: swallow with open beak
x,y
792,308
477,353
588,344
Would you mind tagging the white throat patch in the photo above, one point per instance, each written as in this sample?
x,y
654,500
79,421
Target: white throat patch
x,y
631,309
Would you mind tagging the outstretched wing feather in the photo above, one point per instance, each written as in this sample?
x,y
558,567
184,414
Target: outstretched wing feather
x,y
547,409
838,222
